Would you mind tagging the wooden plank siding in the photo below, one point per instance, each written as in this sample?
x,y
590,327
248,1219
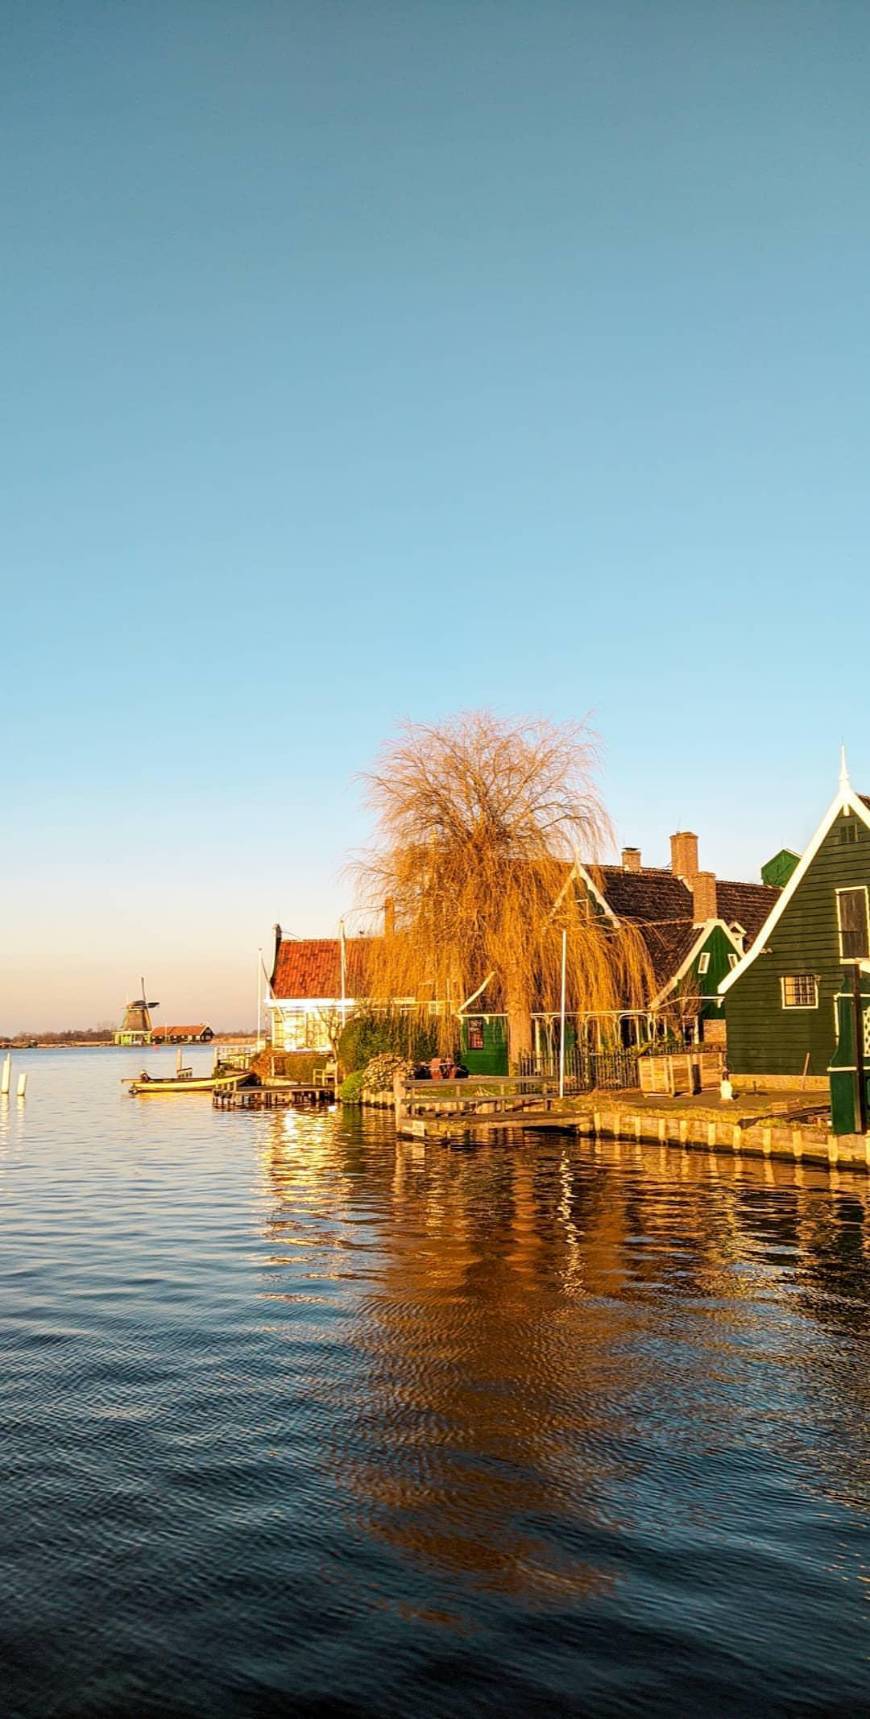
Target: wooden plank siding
x,y
719,947
762,1036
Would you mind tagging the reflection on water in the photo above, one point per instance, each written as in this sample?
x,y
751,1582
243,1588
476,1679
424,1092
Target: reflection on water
x,y
302,1418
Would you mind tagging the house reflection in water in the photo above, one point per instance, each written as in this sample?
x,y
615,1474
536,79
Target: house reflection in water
x,y
547,1349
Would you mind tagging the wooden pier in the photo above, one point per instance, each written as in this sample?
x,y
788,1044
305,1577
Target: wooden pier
x,y
286,1096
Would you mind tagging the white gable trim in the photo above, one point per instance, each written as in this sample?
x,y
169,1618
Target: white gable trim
x,y
845,801
579,870
697,946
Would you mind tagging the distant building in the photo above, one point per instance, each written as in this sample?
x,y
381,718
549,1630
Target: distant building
x,y
199,1034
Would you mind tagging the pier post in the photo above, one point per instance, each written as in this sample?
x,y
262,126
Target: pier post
x,y
6,1078
22,1085
400,1099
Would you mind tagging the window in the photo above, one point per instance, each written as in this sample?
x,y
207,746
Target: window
x,y
848,833
704,962
852,921
475,1033
800,991
733,960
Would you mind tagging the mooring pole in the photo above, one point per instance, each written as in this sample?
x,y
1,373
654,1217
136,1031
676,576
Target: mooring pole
x,y
6,1080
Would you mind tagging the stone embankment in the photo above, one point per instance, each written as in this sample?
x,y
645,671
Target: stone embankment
x,y
787,1125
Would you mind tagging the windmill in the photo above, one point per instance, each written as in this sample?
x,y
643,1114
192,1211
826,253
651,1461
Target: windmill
x,y
137,1015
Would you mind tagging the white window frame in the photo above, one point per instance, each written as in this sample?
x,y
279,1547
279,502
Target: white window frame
x,y
853,889
815,984
704,961
733,960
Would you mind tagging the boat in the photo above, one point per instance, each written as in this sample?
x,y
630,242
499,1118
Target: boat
x,y
224,1080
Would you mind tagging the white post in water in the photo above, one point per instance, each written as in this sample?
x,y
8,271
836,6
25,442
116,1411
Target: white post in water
x,y
562,1018
6,1080
22,1085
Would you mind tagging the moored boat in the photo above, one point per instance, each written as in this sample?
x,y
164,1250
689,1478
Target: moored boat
x,y
148,1085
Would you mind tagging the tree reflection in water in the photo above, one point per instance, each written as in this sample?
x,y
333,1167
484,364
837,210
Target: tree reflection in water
x,y
552,1353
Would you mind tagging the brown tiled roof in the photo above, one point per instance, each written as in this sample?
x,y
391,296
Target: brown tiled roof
x,y
746,904
653,895
668,942
311,967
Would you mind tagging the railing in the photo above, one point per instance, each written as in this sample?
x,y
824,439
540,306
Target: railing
x,y
234,1056
585,1071
505,1095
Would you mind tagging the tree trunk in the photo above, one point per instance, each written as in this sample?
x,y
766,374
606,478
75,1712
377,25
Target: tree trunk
x,y
519,1029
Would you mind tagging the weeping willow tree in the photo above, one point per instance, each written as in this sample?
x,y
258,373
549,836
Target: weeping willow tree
x,y
479,822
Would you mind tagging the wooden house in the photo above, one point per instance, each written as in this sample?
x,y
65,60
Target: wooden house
x,y
308,1003
780,998
696,928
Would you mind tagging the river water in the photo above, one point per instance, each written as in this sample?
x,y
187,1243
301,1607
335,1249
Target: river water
x,y
301,1419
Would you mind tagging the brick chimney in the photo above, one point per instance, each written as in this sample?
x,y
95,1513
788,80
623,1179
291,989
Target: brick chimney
x,y
684,854
703,887
631,859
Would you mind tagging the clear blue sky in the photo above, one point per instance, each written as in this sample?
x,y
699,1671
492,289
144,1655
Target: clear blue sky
x,y
373,360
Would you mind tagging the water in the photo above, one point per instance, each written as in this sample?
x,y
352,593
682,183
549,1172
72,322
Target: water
x,y
301,1419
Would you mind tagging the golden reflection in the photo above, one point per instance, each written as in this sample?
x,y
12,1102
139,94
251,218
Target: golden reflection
x,y
535,1329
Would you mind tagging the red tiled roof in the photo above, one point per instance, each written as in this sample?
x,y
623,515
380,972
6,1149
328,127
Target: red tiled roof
x,y
311,967
194,1032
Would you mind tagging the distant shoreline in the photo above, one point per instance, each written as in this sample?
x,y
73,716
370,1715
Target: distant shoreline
x,y
37,1043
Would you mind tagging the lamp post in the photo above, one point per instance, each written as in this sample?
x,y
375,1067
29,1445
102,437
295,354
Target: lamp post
x,y
562,1017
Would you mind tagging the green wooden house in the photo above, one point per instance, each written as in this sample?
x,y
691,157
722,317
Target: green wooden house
x,y
696,928
780,999
483,1043
692,960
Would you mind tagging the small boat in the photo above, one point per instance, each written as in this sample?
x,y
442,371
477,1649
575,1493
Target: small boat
x,y
224,1080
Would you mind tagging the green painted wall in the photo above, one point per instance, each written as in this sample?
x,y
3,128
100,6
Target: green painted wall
x,y
719,946
778,870
763,1037
493,1059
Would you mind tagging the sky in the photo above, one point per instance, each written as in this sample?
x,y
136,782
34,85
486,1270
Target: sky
x,y
366,362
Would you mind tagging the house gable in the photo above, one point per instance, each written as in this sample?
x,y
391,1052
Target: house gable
x,y
718,942
800,939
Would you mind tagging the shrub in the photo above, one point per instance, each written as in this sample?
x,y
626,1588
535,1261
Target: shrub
x,y
290,1065
372,1033
350,1090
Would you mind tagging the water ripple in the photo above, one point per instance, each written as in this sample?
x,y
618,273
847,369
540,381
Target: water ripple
x,y
301,1419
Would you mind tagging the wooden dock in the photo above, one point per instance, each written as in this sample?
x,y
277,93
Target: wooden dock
x,y
284,1096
